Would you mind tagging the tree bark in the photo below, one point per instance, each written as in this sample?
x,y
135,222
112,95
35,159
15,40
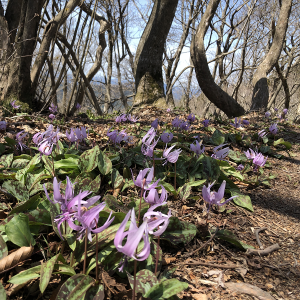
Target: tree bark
x,y
261,91
208,86
148,62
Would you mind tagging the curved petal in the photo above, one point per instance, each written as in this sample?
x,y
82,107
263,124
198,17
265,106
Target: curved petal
x,y
119,234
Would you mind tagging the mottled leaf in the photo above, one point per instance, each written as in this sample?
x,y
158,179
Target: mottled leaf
x,y
6,160
26,275
95,293
116,178
179,232
29,204
217,138
145,280
184,191
46,272
3,248
281,141
167,274
104,163
95,185
19,163
210,168
89,159
2,292
241,200
48,164
17,189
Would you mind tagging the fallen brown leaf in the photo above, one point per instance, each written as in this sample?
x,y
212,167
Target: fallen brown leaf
x,y
200,296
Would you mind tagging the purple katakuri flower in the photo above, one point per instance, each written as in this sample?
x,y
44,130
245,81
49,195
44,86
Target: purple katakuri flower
x,y
168,109
121,118
166,137
240,167
19,139
78,106
273,129
220,154
134,235
267,114
53,108
3,125
285,111
132,119
237,123
117,137
250,154
89,220
145,184
246,122
149,143
198,148
205,123
71,136
13,104
154,124
52,116
171,157
191,118
153,196
185,125
215,197
262,134
81,133
46,148
157,221
276,109
259,160
176,122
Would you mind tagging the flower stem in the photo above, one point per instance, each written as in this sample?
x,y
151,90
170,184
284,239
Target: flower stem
x,y
134,280
153,163
157,255
175,178
53,165
97,265
85,250
140,206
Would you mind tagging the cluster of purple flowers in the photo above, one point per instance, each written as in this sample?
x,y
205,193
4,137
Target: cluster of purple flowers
x,y
77,134
54,109
117,137
183,125
237,123
124,118
46,140
258,159
273,129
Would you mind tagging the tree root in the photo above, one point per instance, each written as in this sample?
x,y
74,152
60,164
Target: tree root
x,y
264,252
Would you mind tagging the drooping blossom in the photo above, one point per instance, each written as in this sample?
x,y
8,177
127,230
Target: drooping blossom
x,y
259,160
215,197
19,139
205,123
250,154
121,118
149,143
262,134
81,133
132,119
46,148
246,122
71,136
176,122
276,109
154,124
166,137
89,220
191,118
171,157
267,114
273,128
53,108
3,125
145,182
285,111
185,125
237,123
168,109
222,153
52,116
117,137
152,197
240,167
198,148
13,104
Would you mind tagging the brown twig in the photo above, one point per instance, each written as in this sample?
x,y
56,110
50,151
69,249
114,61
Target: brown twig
x,y
266,251
106,284
206,243
195,263
256,232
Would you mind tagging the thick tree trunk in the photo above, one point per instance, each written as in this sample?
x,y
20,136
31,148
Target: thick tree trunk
x,y
148,62
261,91
210,89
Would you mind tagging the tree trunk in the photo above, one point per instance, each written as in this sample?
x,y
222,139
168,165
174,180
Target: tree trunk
x,y
148,62
210,89
261,90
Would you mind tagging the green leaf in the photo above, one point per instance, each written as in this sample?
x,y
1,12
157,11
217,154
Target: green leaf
x,y
104,163
2,292
281,141
210,168
26,275
166,289
89,159
63,269
179,232
68,163
230,170
19,163
22,207
184,191
167,274
75,287
6,160
217,138
95,293
10,142
145,280
46,272
18,231
83,181
237,156
230,237
95,185
241,200
48,164
169,187
3,248
116,178
8,176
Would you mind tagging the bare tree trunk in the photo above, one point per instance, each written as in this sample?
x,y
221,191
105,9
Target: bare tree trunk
x,y
211,90
148,62
261,91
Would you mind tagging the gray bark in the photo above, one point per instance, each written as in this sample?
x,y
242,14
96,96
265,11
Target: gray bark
x,y
148,61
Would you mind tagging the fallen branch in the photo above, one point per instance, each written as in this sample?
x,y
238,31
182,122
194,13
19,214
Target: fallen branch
x,y
264,252
200,263
256,232
206,243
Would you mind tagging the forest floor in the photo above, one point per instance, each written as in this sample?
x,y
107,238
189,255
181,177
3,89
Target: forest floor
x,y
213,269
